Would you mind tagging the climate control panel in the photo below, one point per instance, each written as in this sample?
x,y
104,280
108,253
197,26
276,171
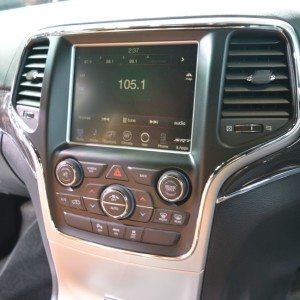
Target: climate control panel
x,y
123,204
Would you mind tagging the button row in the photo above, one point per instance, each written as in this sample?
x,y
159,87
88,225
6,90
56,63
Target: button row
x,y
116,172
91,205
170,217
142,213
137,234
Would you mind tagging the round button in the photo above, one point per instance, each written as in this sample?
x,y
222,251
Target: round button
x,y
173,186
69,173
117,201
127,136
145,137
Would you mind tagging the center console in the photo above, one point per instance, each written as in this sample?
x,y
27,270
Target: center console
x,y
133,130
125,176
137,130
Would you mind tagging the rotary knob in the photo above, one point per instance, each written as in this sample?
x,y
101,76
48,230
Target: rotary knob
x,y
69,173
117,201
173,186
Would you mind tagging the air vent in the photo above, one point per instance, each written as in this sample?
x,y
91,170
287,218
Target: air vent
x,y
29,87
257,91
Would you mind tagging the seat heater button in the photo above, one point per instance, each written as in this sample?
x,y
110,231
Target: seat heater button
x,y
99,227
160,237
134,234
77,221
116,230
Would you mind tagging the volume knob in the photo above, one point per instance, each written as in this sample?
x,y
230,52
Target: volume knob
x,y
69,173
173,186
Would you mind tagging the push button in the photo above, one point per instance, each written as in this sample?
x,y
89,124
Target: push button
x,y
77,221
92,170
142,214
142,198
134,234
162,216
92,205
178,218
76,202
160,237
116,172
116,230
93,191
143,176
113,210
62,199
99,227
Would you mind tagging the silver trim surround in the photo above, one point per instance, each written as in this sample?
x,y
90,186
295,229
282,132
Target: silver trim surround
x,y
71,92
259,184
186,271
160,192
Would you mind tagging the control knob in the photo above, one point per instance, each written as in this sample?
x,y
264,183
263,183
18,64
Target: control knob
x,y
69,173
117,201
173,186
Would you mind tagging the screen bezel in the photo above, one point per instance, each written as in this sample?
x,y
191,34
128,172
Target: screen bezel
x,y
71,93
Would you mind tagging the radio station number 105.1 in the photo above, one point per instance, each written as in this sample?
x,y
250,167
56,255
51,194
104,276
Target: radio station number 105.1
x,y
132,84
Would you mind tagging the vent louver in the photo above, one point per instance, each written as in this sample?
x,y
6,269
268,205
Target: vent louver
x,y
30,82
32,74
257,86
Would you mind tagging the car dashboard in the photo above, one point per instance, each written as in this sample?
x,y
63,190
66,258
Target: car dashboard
x,y
160,155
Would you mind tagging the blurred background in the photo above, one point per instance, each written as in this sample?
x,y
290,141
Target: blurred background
x,y
9,4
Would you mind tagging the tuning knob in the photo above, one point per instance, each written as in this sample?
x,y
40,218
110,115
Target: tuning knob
x,y
117,201
69,173
173,186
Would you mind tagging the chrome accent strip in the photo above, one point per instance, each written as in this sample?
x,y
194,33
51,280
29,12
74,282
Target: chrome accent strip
x,y
259,184
71,92
191,263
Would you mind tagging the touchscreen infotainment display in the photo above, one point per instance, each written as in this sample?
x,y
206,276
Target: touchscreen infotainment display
x,y
134,96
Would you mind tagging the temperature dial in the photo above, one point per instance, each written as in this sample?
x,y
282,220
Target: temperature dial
x,y
117,202
69,173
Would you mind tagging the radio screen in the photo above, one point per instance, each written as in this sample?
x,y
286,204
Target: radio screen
x,y
134,96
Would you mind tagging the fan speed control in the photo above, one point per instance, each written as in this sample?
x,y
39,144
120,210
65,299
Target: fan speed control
x,y
117,201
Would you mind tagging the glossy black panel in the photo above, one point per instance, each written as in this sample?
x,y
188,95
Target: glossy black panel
x,y
121,99
254,248
278,163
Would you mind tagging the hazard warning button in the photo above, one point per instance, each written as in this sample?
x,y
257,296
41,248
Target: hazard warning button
x,y
116,172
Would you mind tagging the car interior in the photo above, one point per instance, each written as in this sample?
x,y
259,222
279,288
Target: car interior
x,y
149,150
